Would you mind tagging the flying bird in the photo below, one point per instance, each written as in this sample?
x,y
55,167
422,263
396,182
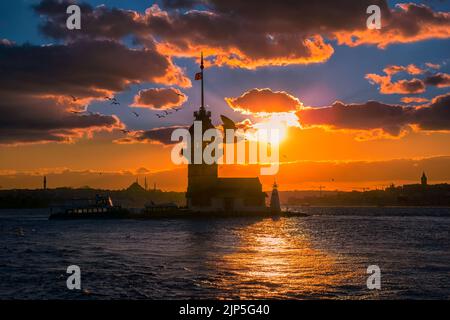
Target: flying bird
x,y
115,102
136,114
125,131
167,112
176,109
160,116
74,98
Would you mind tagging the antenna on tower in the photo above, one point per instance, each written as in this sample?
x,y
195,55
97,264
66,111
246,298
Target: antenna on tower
x,y
201,68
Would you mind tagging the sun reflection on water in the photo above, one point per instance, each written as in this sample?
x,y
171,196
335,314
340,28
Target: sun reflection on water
x,y
274,259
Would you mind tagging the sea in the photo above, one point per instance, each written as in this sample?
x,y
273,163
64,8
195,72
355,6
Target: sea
x,y
325,255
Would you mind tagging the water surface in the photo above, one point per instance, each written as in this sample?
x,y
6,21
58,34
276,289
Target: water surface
x,y
324,255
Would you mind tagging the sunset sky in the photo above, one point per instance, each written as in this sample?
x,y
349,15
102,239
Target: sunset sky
x,y
361,108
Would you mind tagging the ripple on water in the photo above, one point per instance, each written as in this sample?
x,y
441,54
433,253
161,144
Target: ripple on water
x,y
321,256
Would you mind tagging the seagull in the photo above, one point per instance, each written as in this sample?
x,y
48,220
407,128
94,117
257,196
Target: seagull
x,y
111,98
136,114
74,98
125,131
176,109
115,102
160,116
167,112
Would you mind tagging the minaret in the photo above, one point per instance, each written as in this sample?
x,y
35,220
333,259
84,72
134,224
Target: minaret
x,y
45,183
424,179
275,200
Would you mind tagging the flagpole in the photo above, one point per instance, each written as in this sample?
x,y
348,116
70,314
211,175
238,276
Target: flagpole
x,y
202,67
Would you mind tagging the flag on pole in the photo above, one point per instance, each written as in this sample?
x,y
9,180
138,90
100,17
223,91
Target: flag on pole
x,y
198,76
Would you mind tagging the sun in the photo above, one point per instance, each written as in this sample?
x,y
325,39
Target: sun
x,y
273,128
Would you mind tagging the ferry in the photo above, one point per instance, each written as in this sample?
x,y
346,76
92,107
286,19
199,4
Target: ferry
x,y
101,207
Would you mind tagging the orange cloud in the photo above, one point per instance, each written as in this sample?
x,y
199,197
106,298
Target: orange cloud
x,y
411,69
251,34
413,99
399,87
264,101
159,98
411,86
433,65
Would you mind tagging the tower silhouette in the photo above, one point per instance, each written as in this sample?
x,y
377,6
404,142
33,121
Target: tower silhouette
x,y
275,206
201,176
424,179
206,191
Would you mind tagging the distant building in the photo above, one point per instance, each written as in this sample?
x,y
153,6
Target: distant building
x,y
275,200
135,187
424,179
206,191
45,183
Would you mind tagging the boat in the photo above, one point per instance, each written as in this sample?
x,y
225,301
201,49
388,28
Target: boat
x,y
101,207
294,214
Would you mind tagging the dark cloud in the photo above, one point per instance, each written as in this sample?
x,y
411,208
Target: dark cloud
x,y
435,116
252,33
82,68
367,116
407,86
37,82
157,135
392,119
28,119
398,87
264,100
440,80
159,98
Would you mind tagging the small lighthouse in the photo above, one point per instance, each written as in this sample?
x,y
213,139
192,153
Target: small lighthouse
x,y
275,200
